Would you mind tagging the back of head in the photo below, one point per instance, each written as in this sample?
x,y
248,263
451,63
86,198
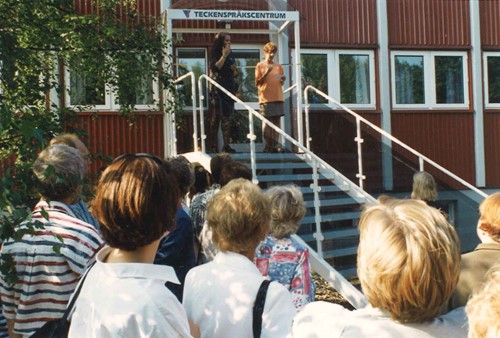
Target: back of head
x,y
67,139
287,210
59,171
216,164
408,259
202,179
483,308
136,201
424,187
489,220
180,167
73,141
234,170
239,216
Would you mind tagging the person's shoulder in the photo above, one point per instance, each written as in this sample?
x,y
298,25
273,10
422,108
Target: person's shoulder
x,y
319,319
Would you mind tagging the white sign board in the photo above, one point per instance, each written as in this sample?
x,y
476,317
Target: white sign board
x,y
202,14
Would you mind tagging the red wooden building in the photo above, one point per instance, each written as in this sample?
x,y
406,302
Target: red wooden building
x,y
427,71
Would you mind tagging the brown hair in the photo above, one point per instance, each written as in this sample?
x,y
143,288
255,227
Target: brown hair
x,y
490,216
408,259
239,216
136,201
233,170
424,187
216,164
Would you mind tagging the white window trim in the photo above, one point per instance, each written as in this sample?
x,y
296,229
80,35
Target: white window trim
x,y
430,80
334,76
109,98
487,103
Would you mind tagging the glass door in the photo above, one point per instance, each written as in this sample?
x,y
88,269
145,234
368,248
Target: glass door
x,y
247,57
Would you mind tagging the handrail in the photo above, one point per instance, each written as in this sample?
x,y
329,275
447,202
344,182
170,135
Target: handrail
x,y
193,89
422,158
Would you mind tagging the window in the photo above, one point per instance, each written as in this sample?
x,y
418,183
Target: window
x,y
346,75
492,79
191,60
92,91
246,60
429,80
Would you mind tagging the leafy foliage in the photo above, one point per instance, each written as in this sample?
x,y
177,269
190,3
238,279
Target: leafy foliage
x,y
114,44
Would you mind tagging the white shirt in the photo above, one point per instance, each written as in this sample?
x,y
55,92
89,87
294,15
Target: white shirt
x,y
128,300
219,298
321,319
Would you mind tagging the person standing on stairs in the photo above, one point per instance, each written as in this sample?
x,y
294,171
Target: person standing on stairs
x,y
269,79
223,67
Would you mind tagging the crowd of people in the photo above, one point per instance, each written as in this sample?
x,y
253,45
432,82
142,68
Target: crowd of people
x,y
222,263
168,248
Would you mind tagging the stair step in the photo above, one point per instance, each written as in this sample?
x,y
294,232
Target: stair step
x,y
268,157
292,177
333,217
326,188
281,165
340,252
332,234
333,202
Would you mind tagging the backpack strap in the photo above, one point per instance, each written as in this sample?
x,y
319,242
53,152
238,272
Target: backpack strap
x,y
258,308
71,305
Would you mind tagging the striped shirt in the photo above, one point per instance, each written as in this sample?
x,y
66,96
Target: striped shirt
x,y
48,265
3,325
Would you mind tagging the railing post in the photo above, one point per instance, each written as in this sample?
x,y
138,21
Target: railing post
x,y
193,109
251,136
202,116
420,163
359,140
306,104
317,213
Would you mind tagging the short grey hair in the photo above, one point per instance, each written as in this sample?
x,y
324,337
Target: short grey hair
x,y
59,171
287,210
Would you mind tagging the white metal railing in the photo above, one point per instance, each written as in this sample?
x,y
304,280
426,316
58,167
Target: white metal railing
x,y
193,106
422,158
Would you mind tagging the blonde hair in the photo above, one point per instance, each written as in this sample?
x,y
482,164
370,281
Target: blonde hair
x,y
270,47
408,259
239,216
287,210
489,221
483,308
424,187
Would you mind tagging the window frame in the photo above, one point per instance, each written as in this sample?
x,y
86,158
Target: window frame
x,y
333,62
487,103
109,98
239,46
429,80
